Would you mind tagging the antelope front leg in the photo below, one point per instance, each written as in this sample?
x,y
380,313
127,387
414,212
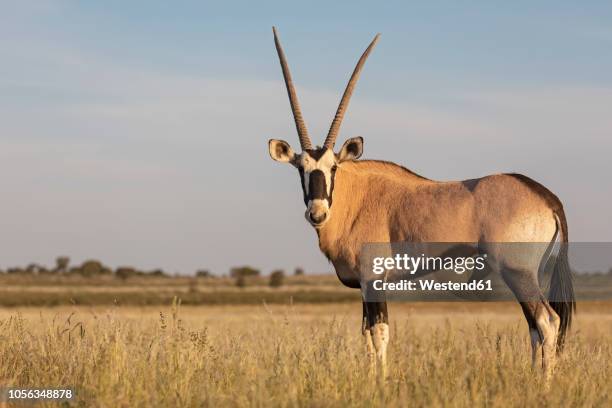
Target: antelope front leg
x,y
378,321
380,338
367,335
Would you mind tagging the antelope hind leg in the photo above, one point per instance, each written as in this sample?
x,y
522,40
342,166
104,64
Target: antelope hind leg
x,y
548,322
529,310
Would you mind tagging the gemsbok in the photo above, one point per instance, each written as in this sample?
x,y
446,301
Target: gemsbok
x,y
351,203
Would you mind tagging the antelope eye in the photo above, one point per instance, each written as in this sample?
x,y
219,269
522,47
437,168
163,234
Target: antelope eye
x,y
334,168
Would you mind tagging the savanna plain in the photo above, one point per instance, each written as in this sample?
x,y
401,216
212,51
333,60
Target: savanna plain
x,y
299,354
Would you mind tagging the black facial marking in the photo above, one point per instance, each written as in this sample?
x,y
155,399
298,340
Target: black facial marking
x,y
331,188
317,153
301,170
317,187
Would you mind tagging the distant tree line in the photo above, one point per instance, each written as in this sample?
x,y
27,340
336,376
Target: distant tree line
x,y
277,277
94,268
89,268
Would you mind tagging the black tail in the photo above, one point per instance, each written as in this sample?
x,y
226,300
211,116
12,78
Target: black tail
x,y
561,294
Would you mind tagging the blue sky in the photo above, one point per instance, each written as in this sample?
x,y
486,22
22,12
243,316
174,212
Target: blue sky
x,y
135,132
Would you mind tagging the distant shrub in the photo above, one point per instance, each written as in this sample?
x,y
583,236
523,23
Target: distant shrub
x,y
298,271
277,278
203,273
158,273
125,272
241,281
94,268
245,271
75,270
33,269
61,264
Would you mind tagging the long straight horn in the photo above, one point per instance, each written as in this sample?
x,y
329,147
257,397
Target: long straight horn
x,y
348,92
293,100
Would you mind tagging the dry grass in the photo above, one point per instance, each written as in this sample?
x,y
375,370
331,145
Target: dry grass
x,y
308,355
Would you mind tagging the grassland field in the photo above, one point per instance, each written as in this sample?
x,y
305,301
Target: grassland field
x,y
182,341
302,355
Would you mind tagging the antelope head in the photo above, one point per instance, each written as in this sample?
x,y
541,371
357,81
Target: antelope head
x,y
317,165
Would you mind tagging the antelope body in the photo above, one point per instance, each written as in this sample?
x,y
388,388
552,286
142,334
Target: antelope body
x,y
351,203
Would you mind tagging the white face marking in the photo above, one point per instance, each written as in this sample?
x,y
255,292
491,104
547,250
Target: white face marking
x,y
324,164
318,207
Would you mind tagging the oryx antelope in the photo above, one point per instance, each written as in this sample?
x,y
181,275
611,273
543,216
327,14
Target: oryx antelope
x,y
351,203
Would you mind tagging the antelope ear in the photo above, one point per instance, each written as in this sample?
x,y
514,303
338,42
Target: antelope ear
x,y
351,149
281,151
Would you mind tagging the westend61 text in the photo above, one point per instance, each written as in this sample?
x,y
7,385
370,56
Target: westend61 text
x,y
428,285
